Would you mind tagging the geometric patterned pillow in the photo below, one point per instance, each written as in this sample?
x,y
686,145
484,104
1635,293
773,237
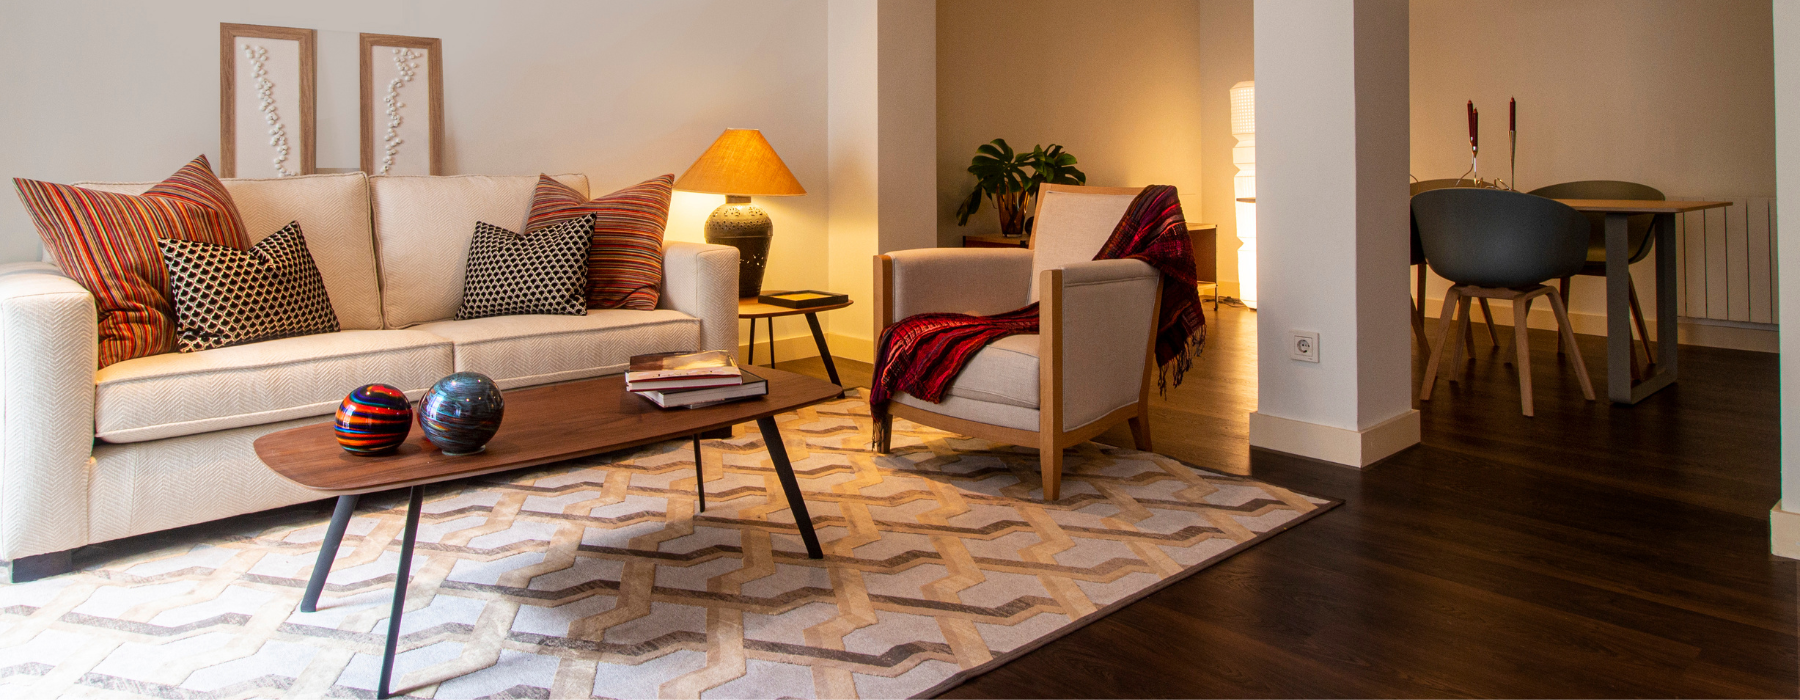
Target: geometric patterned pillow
x,y
625,259
226,297
543,273
108,243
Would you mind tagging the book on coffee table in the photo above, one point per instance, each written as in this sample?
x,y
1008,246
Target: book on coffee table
x,y
671,371
752,386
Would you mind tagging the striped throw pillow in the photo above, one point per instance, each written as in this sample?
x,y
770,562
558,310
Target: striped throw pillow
x,y
626,253
108,243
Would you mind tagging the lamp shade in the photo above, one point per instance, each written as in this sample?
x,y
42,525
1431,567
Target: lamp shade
x,y
740,162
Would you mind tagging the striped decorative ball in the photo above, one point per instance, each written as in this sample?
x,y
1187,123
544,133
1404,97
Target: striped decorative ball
x,y
373,419
461,413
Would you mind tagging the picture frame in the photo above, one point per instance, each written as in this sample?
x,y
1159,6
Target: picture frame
x,y
402,120
267,103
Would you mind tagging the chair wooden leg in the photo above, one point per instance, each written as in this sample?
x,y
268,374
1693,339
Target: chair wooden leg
x,y
1568,334
1521,310
1465,338
1050,460
1637,312
1418,323
1140,427
1565,295
1493,335
886,442
1445,318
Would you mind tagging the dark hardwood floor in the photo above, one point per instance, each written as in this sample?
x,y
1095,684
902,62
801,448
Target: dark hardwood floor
x,y
1592,551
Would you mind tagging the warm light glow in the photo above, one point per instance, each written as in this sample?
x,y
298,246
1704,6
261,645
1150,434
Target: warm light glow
x,y
1243,126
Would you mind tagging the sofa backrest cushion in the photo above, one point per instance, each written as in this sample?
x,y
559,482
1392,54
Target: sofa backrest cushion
x,y
422,229
334,212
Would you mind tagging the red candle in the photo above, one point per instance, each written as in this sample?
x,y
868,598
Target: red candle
x,y
1473,142
1512,114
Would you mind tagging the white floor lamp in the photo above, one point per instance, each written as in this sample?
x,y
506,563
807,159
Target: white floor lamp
x,y
1243,126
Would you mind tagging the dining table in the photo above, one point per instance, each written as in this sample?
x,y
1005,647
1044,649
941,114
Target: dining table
x,y
1621,385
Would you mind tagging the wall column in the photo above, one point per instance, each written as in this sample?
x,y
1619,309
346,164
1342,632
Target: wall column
x,y
1333,143
882,140
1784,519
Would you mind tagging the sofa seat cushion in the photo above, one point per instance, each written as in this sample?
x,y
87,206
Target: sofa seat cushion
x,y
518,351
162,396
1004,372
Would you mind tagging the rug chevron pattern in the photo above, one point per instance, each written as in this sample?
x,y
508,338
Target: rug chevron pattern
x,y
597,578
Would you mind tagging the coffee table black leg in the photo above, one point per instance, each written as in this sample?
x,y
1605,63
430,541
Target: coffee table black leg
x,y
790,486
334,534
699,475
406,553
752,359
824,352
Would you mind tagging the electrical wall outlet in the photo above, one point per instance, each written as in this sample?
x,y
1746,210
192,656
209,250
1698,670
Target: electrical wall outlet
x,y
1303,345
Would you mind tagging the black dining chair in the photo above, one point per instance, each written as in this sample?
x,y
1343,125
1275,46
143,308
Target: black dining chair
x,y
1418,264
1495,244
1638,240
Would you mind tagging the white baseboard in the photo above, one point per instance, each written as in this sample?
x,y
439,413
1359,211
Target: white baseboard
x,y
1712,334
1353,448
1784,532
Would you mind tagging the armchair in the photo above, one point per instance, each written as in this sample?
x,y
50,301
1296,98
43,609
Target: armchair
x,y
1090,366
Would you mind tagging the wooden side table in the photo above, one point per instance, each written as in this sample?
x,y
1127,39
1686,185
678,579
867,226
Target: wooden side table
x,y
750,308
992,241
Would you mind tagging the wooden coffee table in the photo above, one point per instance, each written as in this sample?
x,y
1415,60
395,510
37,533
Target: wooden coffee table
x,y
542,425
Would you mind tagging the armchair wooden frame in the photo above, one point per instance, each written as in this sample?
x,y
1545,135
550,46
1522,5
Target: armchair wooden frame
x,y
1050,438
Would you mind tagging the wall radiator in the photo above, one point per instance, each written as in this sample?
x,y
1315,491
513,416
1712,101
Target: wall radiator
x,y
1725,263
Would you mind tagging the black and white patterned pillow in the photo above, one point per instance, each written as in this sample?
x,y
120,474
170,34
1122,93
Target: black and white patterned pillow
x,y
543,273
224,296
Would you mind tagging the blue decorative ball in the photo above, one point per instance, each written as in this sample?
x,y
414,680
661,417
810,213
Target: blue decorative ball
x,y
461,413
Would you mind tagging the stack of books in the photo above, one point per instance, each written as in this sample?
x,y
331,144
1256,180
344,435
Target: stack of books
x,y
674,380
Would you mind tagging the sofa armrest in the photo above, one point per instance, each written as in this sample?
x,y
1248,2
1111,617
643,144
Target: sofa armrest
x,y
701,280
48,348
1105,311
979,281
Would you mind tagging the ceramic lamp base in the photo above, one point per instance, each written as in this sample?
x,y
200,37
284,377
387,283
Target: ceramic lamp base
x,y
746,227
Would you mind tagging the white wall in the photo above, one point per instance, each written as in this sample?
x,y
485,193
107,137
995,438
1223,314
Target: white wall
x,y
623,91
1117,84
1676,94
1785,519
1331,127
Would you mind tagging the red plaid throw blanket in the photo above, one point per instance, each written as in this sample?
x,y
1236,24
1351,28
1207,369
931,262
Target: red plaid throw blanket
x,y
921,355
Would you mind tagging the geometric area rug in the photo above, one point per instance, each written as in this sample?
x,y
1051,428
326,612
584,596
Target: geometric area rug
x,y
597,578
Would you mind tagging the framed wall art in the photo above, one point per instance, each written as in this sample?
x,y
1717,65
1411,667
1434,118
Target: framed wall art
x,y
266,105
402,105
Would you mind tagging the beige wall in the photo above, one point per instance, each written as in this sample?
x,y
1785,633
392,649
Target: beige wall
x,y
1227,50
1116,83
621,91
1676,94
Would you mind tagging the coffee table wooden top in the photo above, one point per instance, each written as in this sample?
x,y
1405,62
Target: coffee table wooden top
x,y
542,425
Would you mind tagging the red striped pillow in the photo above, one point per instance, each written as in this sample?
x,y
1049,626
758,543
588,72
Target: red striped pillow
x,y
625,257
107,242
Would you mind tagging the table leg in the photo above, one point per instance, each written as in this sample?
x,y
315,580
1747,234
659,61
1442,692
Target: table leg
x,y
414,504
824,352
790,486
328,549
699,475
752,359
771,341
1619,385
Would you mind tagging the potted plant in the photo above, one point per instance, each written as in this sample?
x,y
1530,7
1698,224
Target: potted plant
x,y
1000,176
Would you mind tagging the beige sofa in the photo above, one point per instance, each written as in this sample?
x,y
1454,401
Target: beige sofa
x,y
165,441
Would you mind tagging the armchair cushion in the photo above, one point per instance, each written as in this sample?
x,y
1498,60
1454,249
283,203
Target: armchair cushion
x,y
1006,372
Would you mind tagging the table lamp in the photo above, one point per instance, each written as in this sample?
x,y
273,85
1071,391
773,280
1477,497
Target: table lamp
x,y
739,165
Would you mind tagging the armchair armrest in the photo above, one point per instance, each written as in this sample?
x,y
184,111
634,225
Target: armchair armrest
x,y
48,349
978,281
701,280
1100,314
